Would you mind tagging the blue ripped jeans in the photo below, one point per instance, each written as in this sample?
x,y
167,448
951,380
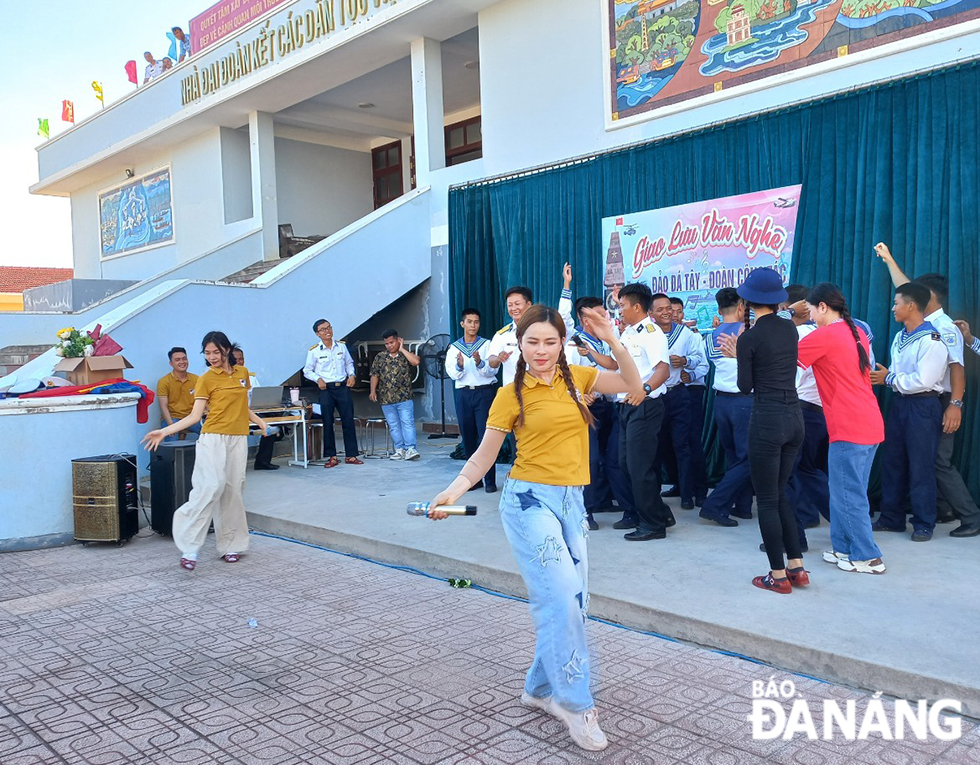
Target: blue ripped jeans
x,y
546,528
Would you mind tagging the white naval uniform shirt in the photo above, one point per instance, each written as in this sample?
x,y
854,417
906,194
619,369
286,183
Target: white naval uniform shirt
x,y
331,364
952,338
918,361
647,346
505,340
471,375
806,383
681,341
726,369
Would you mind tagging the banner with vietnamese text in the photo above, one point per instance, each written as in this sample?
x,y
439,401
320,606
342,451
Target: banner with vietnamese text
x,y
691,251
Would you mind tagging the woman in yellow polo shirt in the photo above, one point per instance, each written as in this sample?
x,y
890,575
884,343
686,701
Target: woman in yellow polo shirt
x,y
541,506
220,457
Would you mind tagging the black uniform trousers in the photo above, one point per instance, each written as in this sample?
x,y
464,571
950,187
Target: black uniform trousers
x,y
639,430
473,406
699,472
604,461
337,396
677,423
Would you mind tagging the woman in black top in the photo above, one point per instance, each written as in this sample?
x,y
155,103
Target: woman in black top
x,y
766,355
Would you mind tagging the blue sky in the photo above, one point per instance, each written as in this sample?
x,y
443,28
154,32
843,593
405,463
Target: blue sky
x,y
53,51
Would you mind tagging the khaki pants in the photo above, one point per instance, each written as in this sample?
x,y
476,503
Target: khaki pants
x,y
216,494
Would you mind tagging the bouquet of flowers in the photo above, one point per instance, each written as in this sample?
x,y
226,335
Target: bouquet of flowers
x,y
73,343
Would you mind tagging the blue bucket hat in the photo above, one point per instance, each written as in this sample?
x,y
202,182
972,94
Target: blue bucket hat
x,y
763,287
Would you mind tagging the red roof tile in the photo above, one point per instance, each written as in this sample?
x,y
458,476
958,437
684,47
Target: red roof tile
x,y
20,278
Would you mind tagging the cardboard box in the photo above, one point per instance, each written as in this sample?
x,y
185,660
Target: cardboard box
x,y
89,370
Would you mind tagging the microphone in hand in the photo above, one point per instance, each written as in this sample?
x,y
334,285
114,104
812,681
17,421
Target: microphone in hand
x,y
422,509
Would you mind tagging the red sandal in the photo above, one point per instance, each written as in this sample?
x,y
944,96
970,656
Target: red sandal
x,y
769,582
187,564
353,461
798,577
332,462
230,558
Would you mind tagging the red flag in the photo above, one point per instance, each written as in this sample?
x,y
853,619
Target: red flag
x,y
68,112
131,72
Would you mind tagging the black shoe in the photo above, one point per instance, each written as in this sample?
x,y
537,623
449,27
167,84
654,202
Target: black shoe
x,y
643,536
945,518
671,521
699,501
265,466
673,491
877,526
814,525
720,520
965,531
744,516
803,549
490,488
687,504
477,485
593,526
921,536
624,523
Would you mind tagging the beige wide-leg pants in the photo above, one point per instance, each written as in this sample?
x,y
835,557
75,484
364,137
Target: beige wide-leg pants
x,y
216,494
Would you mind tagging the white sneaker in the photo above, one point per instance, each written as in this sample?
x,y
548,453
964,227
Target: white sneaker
x,y
411,453
833,557
398,454
583,727
862,566
538,702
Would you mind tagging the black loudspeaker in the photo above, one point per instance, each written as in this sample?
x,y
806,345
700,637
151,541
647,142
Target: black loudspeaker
x,y
105,501
171,466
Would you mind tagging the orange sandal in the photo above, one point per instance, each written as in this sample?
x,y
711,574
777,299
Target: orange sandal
x,y
353,461
332,462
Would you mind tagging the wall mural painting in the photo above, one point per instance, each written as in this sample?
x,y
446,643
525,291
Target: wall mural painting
x,y
137,214
665,51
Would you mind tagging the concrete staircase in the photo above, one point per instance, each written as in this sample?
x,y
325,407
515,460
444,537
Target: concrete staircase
x,y
247,274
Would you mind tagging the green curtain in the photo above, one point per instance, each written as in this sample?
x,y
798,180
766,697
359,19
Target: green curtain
x,y
896,163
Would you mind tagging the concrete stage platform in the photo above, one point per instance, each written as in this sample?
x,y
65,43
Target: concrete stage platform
x,y
911,633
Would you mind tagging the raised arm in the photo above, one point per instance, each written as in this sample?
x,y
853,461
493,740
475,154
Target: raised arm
x,y
896,273
627,378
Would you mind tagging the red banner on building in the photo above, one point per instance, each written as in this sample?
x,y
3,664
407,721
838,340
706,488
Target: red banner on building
x,y
224,18
68,112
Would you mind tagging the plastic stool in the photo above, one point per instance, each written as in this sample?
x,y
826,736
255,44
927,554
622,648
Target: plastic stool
x,y
371,426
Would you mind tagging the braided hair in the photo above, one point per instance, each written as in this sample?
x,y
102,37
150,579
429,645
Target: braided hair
x,y
750,310
538,314
831,296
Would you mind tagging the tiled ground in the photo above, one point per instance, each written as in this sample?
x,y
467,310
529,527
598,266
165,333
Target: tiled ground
x,y
116,656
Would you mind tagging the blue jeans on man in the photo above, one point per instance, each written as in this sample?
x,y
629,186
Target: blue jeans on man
x,y
401,424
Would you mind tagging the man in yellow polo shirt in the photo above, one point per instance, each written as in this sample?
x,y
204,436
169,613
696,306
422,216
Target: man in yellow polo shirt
x,y
175,391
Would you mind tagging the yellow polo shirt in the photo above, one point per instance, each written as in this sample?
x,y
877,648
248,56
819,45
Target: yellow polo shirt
x,y
227,397
553,444
180,395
